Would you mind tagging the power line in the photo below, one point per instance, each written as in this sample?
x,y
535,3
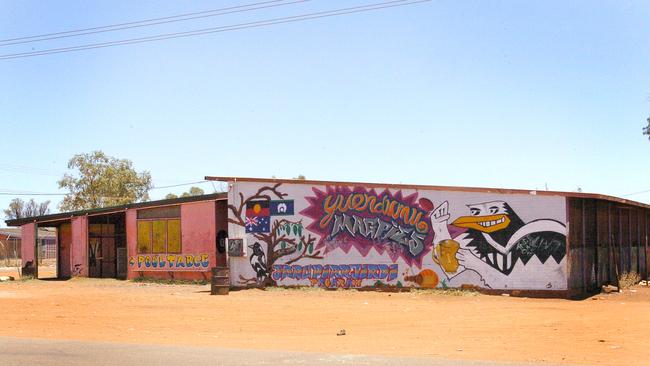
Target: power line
x,y
135,22
148,22
31,194
9,192
40,171
635,193
58,194
179,185
26,170
261,23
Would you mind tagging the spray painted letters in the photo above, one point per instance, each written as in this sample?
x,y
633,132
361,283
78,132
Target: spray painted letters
x,y
389,222
170,262
332,275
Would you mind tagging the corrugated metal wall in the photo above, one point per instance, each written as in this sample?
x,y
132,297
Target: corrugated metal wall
x,y
605,239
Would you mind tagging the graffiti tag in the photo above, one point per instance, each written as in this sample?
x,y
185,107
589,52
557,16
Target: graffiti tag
x,y
383,204
379,230
364,218
76,271
170,262
333,275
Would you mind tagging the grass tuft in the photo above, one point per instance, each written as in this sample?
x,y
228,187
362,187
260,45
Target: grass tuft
x,y
447,291
169,281
293,288
628,279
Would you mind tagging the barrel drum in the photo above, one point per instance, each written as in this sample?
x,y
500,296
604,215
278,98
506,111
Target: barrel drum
x,y
220,284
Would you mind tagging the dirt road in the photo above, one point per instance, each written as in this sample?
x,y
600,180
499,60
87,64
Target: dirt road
x,y
44,352
604,330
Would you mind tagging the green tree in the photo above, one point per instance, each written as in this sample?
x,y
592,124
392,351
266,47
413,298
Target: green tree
x,y
19,209
100,180
646,129
300,177
193,191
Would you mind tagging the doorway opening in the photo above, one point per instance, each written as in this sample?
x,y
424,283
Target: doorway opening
x,y
64,237
46,254
221,225
107,256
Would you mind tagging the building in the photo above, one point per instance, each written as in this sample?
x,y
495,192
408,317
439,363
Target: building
x,y
114,242
10,240
359,235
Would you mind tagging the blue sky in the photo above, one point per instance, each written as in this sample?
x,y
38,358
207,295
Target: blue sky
x,y
469,93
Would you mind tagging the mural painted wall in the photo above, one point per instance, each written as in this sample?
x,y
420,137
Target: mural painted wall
x,y
350,237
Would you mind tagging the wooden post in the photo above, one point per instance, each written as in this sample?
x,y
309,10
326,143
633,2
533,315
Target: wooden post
x,y
569,256
583,244
618,285
645,246
638,240
645,257
598,246
610,253
628,266
35,250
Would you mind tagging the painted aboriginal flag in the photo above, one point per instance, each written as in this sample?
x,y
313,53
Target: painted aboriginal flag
x,y
258,218
281,208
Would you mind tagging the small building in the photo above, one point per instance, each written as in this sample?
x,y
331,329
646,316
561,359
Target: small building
x,y
275,232
172,238
10,240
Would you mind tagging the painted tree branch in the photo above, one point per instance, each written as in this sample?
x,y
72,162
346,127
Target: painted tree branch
x,y
260,194
284,252
247,281
310,241
291,240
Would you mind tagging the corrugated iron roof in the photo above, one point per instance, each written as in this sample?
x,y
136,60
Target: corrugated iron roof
x,y
16,232
107,210
434,188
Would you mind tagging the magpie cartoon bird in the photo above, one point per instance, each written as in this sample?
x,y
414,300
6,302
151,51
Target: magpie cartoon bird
x,y
258,262
500,238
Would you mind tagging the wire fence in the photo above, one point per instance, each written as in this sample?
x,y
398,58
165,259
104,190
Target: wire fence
x,y
46,249
10,251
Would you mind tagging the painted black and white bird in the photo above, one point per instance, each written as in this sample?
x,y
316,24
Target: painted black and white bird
x,y
258,262
499,237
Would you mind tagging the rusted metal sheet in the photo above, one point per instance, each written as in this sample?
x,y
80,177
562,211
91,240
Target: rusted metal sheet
x,y
605,240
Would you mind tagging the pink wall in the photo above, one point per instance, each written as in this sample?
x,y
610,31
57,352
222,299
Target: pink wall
x,y
131,240
80,246
198,229
65,250
28,232
197,237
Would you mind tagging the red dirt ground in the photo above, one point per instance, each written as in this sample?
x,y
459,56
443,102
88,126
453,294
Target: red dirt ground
x,y
603,330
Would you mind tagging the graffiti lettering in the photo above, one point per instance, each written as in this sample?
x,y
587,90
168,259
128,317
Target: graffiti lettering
x,y
379,230
170,262
364,219
376,205
332,275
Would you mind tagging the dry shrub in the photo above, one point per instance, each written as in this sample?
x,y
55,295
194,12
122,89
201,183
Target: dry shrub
x,y
628,279
444,291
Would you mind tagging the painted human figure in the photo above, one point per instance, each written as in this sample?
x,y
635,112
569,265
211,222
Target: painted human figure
x,y
495,241
468,270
